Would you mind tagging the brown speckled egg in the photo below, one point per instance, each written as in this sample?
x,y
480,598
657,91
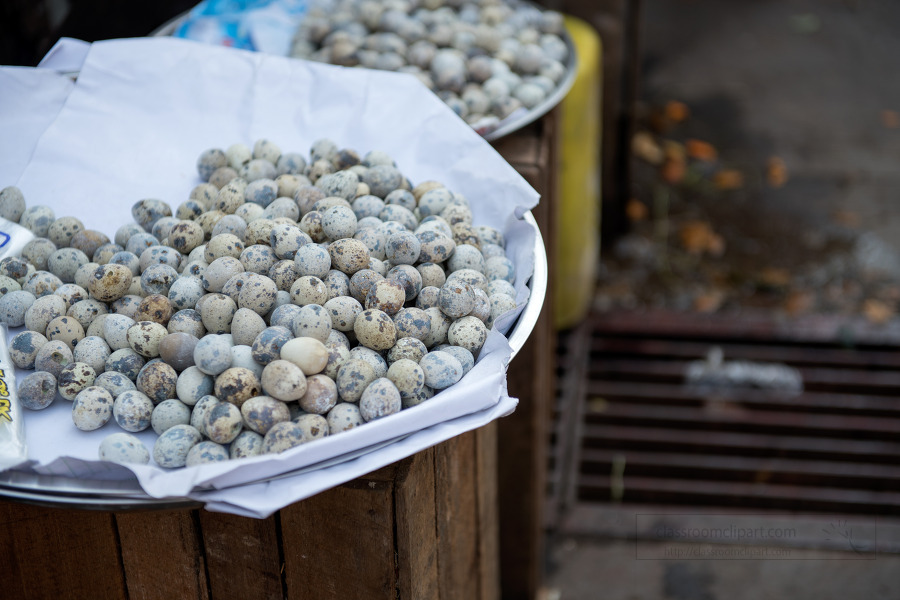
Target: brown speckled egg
x,y
223,422
92,408
386,296
284,380
156,308
109,282
157,380
144,337
236,385
374,329
65,329
263,412
73,378
380,399
321,395
349,255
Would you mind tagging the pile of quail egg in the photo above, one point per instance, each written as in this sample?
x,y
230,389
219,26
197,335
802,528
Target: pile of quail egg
x,y
487,59
289,298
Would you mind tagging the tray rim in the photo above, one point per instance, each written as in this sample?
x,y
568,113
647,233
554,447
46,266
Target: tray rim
x,y
121,495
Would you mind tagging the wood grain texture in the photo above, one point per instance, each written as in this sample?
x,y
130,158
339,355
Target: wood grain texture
x,y
53,553
488,511
340,544
162,555
457,517
417,543
522,436
242,557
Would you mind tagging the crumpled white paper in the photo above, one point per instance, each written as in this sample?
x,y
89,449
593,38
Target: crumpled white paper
x,y
144,109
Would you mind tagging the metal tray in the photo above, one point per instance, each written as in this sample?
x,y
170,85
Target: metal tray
x,y
506,126
59,491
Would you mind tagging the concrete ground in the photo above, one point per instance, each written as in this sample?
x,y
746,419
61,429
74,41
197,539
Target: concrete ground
x,y
814,83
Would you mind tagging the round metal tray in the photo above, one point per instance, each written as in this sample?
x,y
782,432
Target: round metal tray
x,y
59,491
506,126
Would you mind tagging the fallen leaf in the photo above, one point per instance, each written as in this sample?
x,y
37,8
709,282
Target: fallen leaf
x,y
674,150
776,172
847,218
676,111
708,302
636,210
645,147
698,237
729,179
877,311
700,150
799,301
774,277
672,170
890,119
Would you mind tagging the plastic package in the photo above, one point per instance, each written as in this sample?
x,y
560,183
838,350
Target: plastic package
x,y
12,429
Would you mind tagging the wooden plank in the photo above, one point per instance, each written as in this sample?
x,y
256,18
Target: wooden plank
x,y
242,556
819,402
873,382
689,419
843,330
794,355
162,555
662,490
417,542
56,553
488,511
746,444
457,517
340,544
751,469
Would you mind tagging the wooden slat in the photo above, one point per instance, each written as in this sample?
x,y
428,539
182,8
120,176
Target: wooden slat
x,y
457,517
162,555
339,544
661,490
242,556
673,371
53,553
637,392
747,444
690,418
749,325
417,542
793,355
488,527
522,436
752,469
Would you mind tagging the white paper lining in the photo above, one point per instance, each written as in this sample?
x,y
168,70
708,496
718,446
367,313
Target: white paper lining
x,y
141,113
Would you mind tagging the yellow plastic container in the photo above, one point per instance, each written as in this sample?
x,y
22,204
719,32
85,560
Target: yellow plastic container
x,y
578,221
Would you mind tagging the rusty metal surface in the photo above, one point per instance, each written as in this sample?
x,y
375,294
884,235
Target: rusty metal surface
x,y
644,435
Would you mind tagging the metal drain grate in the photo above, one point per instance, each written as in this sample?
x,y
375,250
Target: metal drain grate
x,y
629,428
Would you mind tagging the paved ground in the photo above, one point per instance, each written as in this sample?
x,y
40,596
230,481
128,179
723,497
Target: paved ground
x,y
807,81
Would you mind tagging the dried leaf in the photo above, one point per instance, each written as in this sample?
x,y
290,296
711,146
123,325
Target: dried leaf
x,y
674,150
847,218
799,301
645,147
673,171
698,237
709,302
774,277
776,172
636,210
676,111
729,179
700,150
890,119
877,311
